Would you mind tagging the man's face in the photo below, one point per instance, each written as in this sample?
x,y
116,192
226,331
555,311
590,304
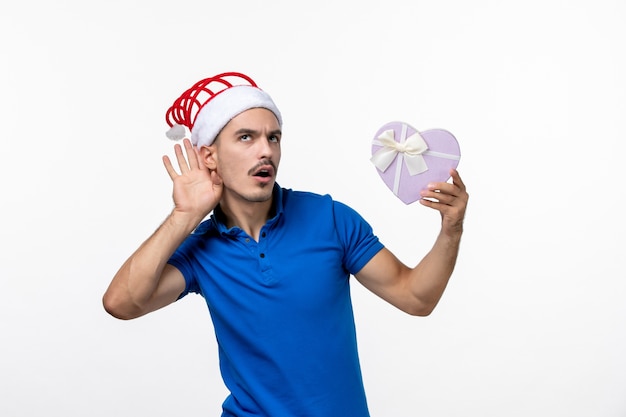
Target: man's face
x,y
247,154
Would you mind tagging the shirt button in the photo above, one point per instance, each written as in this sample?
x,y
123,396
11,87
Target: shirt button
x,y
263,234
247,240
262,255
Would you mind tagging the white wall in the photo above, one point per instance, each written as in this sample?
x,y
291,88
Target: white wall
x,y
533,321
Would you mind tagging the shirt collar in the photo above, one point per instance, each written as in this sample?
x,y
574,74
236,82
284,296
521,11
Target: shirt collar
x,y
218,218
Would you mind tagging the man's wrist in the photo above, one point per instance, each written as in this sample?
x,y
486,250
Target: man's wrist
x,y
180,221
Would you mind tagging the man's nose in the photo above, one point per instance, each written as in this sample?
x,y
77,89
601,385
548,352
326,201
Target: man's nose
x,y
265,147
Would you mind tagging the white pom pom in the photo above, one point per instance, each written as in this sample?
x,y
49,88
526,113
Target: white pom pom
x,y
176,132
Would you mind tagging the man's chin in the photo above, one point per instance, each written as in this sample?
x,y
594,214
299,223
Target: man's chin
x,y
260,195
263,196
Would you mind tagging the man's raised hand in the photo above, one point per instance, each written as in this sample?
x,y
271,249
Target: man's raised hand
x,y
197,190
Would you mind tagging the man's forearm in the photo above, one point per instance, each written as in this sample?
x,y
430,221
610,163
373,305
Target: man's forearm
x,y
430,277
136,282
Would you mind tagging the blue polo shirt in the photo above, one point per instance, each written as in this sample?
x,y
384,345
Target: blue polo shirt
x,y
281,307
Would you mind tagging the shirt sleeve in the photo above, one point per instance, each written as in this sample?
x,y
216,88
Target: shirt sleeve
x,y
357,237
183,262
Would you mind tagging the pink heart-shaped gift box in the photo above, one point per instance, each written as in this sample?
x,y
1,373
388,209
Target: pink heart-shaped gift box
x,y
442,154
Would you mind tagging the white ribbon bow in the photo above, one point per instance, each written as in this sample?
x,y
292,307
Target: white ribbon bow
x,y
410,148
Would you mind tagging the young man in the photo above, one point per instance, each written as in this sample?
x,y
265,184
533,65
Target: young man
x,y
273,264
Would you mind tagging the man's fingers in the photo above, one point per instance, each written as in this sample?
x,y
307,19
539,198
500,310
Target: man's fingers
x,y
189,160
168,166
456,179
185,163
455,189
182,162
439,189
445,193
192,154
440,197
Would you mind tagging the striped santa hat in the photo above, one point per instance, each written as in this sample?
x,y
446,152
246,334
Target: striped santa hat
x,y
206,107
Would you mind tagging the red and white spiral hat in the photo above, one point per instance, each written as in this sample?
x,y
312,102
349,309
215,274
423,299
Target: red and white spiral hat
x,y
211,103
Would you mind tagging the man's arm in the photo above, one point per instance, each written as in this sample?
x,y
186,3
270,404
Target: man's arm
x,y
145,282
418,290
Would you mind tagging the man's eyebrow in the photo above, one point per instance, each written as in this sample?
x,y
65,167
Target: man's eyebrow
x,y
247,131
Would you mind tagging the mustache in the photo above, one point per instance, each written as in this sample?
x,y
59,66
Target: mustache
x,y
261,163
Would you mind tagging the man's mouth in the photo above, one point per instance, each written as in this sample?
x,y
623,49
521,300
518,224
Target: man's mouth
x,y
265,169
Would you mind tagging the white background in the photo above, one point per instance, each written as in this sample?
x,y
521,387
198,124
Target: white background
x,y
533,322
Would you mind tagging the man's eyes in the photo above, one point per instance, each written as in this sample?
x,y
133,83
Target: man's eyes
x,y
247,138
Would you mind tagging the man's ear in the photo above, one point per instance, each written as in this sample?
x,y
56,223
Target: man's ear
x,y
208,157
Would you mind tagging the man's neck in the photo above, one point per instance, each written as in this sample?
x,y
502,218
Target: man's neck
x,y
248,216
